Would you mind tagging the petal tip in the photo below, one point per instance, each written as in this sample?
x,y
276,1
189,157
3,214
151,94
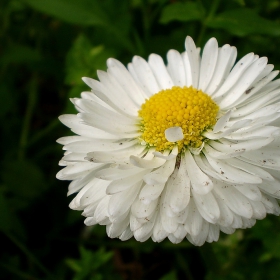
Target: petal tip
x,y
174,134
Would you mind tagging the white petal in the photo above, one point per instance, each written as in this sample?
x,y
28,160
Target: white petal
x,y
150,192
200,239
200,182
208,63
180,233
227,230
250,168
109,125
119,203
125,80
169,224
243,82
145,231
222,122
141,210
134,223
207,206
271,205
98,145
232,174
159,69
180,195
194,220
166,155
87,95
117,100
174,134
160,175
94,108
214,233
253,133
259,211
70,139
101,211
237,202
187,68
77,170
144,163
124,183
268,158
127,234
250,191
145,75
76,125
193,58
226,215
228,131
235,74
256,90
225,61
159,233
119,156
116,229
111,174
77,184
224,151
176,68
271,187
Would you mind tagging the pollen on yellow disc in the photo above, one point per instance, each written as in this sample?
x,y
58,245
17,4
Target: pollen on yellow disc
x,y
188,108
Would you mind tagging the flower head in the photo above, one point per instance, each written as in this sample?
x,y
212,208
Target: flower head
x,y
184,150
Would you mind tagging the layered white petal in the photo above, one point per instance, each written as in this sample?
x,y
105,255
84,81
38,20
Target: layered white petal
x,y
195,191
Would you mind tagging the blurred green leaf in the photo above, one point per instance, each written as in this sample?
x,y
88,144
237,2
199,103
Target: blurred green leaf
x,y
169,276
114,20
182,12
20,54
9,221
5,215
88,265
242,22
269,233
7,99
83,12
84,59
23,179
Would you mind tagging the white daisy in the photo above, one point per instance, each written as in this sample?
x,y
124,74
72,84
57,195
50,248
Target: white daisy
x,y
184,150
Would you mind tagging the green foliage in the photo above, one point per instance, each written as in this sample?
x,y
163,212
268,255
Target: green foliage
x,y
243,22
84,59
23,179
84,12
169,276
90,264
182,12
46,47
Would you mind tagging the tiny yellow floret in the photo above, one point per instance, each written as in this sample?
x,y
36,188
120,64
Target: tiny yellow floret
x,y
187,107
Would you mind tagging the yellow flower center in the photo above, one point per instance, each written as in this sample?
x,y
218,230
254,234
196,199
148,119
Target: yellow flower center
x,y
188,108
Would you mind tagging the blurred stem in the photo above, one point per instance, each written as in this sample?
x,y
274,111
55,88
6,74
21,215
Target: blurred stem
x,y
18,273
28,254
146,20
149,16
209,258
184,265
139,45
43,132
31,101
213,9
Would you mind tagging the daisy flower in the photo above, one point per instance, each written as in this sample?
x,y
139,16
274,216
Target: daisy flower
x,y
184,150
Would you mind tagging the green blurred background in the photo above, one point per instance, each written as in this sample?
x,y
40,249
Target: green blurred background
x,y
46,47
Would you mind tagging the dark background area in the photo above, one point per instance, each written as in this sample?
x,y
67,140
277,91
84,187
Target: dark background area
x,y
46,46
